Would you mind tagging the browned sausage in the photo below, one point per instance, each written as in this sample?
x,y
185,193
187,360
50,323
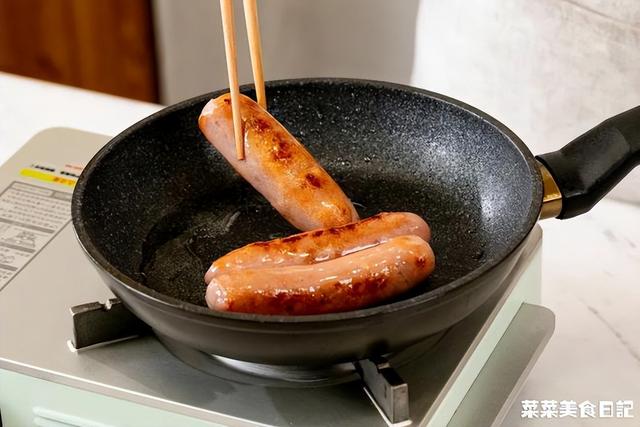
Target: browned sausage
x,y
277,165
347,283
321,245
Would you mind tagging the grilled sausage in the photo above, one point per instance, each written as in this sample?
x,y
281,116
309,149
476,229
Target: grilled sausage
x,y
277,165
347,283
321,245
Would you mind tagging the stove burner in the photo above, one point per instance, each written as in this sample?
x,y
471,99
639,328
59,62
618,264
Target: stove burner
x,y
285,375
292,374
258,373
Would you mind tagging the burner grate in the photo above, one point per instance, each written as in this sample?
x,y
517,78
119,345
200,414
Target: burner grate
x,y
97,324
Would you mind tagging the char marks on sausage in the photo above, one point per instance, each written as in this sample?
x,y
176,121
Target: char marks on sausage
x,y
277,165
354,281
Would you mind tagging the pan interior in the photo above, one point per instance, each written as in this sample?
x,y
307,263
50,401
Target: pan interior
x,y
161,203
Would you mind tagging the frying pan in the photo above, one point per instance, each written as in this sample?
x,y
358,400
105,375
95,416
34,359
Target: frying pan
x,y
157,204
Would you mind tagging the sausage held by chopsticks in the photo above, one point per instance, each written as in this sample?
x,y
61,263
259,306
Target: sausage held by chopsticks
x,y
277,165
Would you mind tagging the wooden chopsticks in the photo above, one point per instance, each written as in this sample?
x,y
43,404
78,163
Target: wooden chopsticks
x,y
226,8
255,49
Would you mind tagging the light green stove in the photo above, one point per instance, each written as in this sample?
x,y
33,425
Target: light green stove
x,y
470,378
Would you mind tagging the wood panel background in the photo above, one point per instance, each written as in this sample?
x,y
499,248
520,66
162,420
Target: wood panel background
x,y
106,45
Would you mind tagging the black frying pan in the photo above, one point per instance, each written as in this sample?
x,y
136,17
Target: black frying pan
x,y
156,205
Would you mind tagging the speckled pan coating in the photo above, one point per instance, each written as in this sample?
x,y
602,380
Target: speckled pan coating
x,y
158,203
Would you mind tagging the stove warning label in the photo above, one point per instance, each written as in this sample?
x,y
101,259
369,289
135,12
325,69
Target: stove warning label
x,y
30,216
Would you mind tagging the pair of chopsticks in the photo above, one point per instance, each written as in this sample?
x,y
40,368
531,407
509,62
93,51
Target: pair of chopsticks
x,y
255,49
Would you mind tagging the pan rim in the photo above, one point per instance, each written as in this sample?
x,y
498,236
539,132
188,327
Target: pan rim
x,y
431,296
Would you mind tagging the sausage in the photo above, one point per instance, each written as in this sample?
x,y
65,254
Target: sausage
x,y
277,165
354,281
321,245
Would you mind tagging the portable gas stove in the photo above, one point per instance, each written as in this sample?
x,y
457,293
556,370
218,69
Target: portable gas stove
x,y
57,317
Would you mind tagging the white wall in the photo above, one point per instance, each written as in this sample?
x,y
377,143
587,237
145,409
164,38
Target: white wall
x,y
548,69
301,38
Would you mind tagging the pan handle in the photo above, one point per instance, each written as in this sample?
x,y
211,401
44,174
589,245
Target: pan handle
x,y
588,167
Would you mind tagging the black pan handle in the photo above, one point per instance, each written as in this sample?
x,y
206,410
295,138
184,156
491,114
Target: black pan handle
x,y
588,167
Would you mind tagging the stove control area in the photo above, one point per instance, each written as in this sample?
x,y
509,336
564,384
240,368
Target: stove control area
x,y
30,216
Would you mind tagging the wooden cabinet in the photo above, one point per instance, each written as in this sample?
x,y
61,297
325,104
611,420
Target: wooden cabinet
x,y
103,45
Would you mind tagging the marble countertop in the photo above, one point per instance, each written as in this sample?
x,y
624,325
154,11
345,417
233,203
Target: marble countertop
x,y
591,264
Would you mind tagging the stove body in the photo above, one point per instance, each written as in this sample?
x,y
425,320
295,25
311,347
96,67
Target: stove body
x,y
469,378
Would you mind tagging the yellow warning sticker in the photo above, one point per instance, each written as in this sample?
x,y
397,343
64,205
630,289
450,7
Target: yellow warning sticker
x,y
48,177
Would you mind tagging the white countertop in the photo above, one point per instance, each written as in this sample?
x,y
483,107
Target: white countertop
x,y
591,276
